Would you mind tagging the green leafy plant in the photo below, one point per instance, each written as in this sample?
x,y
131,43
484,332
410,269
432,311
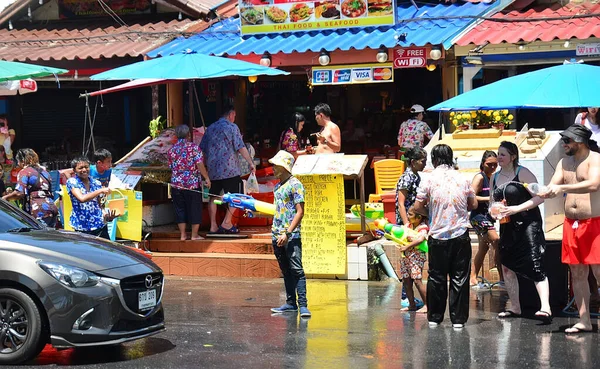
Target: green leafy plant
x,y
156,125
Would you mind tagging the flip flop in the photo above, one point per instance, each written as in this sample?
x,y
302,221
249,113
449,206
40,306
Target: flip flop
x,y
232,230
508,314
545,316
577,330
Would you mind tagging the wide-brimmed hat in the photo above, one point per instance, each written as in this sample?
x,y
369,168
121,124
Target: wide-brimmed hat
x,y
417,109
283,159
578,133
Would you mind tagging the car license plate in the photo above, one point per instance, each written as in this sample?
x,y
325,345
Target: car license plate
x,y
147,299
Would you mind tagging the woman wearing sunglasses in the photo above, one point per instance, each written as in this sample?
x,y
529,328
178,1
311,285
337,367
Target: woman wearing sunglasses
x,y
522,241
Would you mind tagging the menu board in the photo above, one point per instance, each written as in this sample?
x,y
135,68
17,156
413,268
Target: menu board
x,y
276,16
324,224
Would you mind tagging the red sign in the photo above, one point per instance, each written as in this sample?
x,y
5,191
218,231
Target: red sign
x,y
410,57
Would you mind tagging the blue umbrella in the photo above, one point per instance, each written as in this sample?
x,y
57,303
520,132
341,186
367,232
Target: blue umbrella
x,y
187,65
570,85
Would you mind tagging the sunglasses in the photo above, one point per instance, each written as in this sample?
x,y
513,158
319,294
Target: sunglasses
x,y
566,140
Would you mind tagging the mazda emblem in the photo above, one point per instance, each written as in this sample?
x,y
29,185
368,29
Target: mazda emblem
x,y
148,281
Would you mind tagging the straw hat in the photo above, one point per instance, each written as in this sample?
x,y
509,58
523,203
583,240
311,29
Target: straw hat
x,y
283,159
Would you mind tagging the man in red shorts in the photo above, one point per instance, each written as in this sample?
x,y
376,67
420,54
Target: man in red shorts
x,y
578,176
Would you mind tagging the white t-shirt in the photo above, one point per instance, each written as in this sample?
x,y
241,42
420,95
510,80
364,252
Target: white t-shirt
x,y
595,128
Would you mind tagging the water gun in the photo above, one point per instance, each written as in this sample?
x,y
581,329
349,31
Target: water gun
x,y
399,234
246,203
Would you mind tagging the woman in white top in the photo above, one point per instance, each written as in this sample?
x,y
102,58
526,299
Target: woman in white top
x,y
591,120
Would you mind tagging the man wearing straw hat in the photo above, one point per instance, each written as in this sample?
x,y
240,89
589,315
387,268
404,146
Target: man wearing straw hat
x,y
287,243
578,176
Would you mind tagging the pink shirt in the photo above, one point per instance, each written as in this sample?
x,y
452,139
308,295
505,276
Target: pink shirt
x,y
448,193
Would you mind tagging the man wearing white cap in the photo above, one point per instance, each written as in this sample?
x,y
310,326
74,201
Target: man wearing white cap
x,y
287,244
414,132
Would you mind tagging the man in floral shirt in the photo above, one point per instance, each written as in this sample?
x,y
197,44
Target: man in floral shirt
x,y
185,160
287,243
220,145
446,197
414,132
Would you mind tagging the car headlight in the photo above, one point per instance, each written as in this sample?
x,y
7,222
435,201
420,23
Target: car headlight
x,y
70,276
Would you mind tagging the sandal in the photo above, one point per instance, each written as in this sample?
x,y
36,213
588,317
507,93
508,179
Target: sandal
x,y
544,316
508,314
232,230
577,330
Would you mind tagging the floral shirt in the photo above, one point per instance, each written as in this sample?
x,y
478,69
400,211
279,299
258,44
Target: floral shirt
x,y
448,193
409,181
413,133
35,184
183,159
289,141
220,144
287,195
85,216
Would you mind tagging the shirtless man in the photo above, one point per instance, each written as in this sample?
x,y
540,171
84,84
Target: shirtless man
x,y
330,138
578,176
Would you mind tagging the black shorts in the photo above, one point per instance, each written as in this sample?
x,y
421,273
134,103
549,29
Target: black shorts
x,y
231,185
188,206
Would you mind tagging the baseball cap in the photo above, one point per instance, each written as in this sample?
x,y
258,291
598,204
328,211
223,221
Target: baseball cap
x,y
417,109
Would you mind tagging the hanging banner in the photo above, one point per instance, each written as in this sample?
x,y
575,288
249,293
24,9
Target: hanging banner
x,y
410,57
276,16
353,74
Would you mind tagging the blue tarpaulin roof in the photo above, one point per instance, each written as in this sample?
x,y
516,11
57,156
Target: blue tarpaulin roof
x,y
431,24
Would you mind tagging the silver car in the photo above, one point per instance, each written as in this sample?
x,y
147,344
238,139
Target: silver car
x,y
70,289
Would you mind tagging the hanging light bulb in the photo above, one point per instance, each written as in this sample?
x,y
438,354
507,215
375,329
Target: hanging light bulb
x,y
180,16
431,67
29,12
41,2
567,44
76,75
324,57
252,79
10,26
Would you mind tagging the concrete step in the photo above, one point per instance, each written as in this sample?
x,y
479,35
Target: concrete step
x,y
230,246
218,265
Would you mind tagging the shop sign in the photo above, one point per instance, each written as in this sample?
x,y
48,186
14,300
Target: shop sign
x,y
410,57
277,16
588,49
94,8
352,74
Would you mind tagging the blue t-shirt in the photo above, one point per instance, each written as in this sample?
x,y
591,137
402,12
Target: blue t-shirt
x,y
104,178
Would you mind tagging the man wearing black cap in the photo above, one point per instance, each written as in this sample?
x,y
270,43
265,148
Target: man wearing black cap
x,y
578,176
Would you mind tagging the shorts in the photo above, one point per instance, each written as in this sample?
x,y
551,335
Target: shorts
x,y
231,185
581,241
482,223
411,265
187,205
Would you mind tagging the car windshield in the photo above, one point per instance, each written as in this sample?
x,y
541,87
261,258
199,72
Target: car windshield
x,y
13,219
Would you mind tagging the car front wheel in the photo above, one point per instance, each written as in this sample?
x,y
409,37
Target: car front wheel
x,y
21,327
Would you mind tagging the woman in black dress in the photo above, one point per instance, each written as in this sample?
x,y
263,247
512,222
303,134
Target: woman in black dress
x,y
522,241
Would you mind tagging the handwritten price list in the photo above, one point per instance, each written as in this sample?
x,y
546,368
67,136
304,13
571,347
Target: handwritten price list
x,y
324,225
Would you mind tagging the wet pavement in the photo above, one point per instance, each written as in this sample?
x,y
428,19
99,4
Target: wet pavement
x,y
225,323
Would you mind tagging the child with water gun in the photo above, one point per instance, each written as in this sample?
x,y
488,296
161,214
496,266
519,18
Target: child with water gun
x,y
411,265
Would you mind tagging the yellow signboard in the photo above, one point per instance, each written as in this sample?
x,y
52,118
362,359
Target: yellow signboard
x,y
129,225
324,225
278,16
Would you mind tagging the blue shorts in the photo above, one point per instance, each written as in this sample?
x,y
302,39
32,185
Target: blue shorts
x,y
482,223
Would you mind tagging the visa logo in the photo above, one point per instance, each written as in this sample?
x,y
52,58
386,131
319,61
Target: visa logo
x,y
362,74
